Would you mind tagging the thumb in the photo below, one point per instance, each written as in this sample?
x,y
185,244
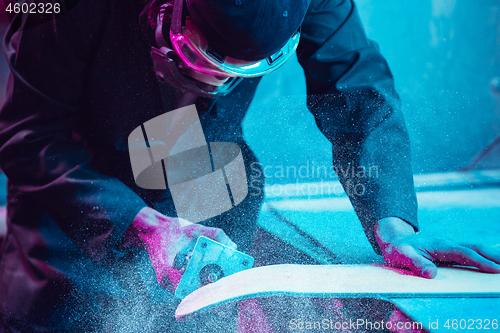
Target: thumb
x,y
407,256
420,265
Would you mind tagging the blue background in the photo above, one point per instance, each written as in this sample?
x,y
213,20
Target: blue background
x,y
443,54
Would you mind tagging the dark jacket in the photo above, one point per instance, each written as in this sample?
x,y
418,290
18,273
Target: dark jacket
x,y
81,82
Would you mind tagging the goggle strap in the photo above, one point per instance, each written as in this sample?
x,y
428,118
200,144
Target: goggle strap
x,y
176,26
167,71
160,31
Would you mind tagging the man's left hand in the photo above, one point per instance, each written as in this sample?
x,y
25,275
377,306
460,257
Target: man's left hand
x,y
403,247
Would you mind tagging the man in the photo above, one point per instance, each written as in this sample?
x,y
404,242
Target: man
x,y
81,82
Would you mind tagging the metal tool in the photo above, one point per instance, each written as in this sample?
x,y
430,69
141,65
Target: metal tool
x,y
209,262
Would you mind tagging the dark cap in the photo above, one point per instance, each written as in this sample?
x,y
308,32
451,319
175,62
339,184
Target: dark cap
x,y
247,29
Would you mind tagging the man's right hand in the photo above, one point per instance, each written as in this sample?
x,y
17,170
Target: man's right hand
x,y
164,237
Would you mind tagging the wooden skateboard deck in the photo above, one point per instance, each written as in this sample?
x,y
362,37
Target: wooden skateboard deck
x,y
338,281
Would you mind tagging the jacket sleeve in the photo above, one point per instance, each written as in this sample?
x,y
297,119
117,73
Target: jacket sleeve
x,y
40,150
352,97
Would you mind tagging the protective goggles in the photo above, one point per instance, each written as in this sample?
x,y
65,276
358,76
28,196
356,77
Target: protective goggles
x,y
194,50
189,64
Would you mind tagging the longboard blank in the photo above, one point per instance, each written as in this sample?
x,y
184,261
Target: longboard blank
x,y
338,281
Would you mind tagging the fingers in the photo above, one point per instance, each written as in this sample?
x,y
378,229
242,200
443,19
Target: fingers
x,y
417,252
179,260
407,256
183,222
487,252
221,237
169,241
468,257
194,231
